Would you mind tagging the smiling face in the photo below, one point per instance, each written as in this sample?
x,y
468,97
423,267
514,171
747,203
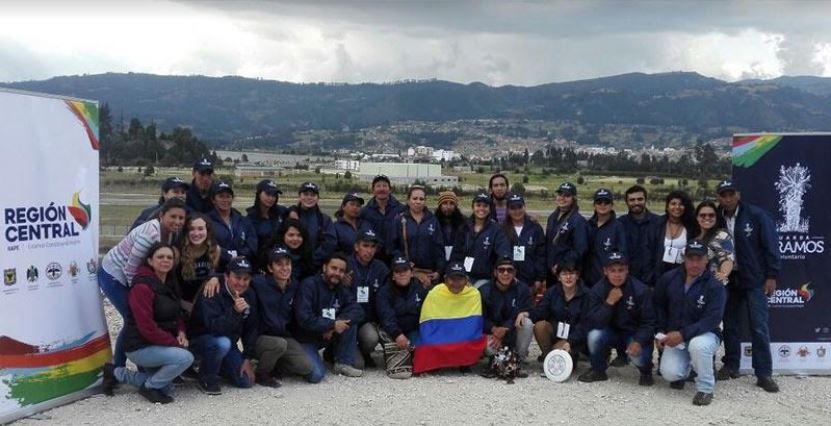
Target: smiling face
x,y
675,208
616,273
293,239
203,180
238,282
333,271
481,210
197,231
175,192
706,218
564,201
568,278
636,202
505,274
402,277
416,200
280,269
381,190
267,200
309,199
602,207
173,219
223,201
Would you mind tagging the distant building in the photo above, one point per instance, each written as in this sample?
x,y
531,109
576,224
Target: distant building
x,y
407,174
248,170
353,165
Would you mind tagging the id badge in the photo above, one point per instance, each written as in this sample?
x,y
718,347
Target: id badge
x,y
363,294
328,313
468,263
671,254
448,250
519,253
563,329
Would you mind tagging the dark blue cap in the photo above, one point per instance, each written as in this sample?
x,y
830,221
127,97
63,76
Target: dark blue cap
x,y
567,188
455,268
174,182
695,248
515,200
309,186
278,253
368,235
603,194
613,257
239,265
400,264
482,197
269,187
221,186
203,165
352,196
725,185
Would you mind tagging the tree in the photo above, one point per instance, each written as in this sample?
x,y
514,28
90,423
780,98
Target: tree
x,y
347,175
149,170
244,158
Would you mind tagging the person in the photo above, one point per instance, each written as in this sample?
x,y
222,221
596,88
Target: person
x,y
483,242
605,235
292,235
505,306
380,211
266,214
620,310
233,231
527,241
277,351
172,187
451,221
566,232
198,261
399,305
327,316
349,223
498,187
415,235
671,232
218,323
120,264
689,305
199,194
154,333
717,239
638,225
318,225
753,279
559,319
366,276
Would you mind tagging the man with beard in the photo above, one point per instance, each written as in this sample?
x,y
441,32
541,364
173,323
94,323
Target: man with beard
x,y
638,225
198,196
498,187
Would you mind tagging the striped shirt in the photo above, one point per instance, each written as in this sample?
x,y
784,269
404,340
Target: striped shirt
x,y
123,260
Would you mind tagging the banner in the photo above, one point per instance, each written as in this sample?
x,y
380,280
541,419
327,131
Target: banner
x,y
786,174
53,335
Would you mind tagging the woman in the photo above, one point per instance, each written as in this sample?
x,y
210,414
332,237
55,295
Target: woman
x,y
719,243
483,242
292,235
266,215
119,265
415,235
233,232
155,338
566,232
198,262
672,231
348,224
606,234
451,221
172,187
527,240
321,236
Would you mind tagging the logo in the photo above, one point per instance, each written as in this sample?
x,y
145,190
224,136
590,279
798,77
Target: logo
x,y
487,242
54,271
696,245
630,303
417,298
803,352
370,233
748,229
700,302
564,228
794,241
46,222
430,229
806,292
336,304
10,276
608,243
748,351
784,351
73,269
791,297
530,240
82,213
32,274
821,351
92,266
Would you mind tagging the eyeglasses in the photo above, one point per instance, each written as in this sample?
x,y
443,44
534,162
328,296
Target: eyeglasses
x,y
706,215
505,270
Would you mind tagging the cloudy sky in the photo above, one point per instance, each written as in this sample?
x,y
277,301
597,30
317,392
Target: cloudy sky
x,y
498,43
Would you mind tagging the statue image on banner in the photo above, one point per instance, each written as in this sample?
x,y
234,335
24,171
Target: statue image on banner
x,y
792,185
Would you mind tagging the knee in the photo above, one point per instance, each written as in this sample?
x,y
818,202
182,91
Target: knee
x,y
184,357
316,374
703,346
222,344
672,371
595,340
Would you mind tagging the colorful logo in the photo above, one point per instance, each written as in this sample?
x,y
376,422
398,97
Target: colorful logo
x,y
806,292
87,114
10,276
747,150
32,274
80,211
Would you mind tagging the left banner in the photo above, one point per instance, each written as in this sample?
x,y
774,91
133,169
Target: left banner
x,y
53,335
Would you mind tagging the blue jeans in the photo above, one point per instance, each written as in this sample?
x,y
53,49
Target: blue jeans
x,y
211,350
117,293
601,342
161,365
698,354
345,346
231,368
747,304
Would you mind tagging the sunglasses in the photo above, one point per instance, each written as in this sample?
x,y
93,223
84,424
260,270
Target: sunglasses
x,y
706,215
505,270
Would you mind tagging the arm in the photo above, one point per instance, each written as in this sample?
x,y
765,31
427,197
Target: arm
x,y
770,246
219,320
600,313
661,303
502,247
712,315
646,331
306,314
250,328
579,330
248,246
328,244
140,299
386,313
538,255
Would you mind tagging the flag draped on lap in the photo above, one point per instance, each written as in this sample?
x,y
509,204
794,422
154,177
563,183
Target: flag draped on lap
x,y
450,330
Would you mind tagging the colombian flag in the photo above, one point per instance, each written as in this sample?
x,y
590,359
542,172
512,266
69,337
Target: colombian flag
x,y
450,330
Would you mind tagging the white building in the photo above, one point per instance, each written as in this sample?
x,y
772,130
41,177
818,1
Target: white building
x,y
353,165
407,174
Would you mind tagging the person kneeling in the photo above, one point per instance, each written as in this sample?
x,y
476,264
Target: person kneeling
x,y
399,306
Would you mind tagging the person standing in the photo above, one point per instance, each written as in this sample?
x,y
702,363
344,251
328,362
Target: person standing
x,y
671,232
451,221
566,232
606,235
318,225
638,225
527,241
172,187
379,212
266,214
482,244
199,195
233,231
498,187
415,235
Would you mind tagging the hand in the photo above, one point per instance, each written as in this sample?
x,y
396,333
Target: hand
x,y
182,339
770,286
402,341
567,347
240,305
520,318
499,332
554,269
496,343
211,288
659,344
614,296
341,326
347,279
433,277
328,335
721,276
634,349
672,339
247,371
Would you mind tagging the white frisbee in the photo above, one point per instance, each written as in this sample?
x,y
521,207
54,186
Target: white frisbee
x,y
558,365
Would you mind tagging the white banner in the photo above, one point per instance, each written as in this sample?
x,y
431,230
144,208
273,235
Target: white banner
x,y
53,335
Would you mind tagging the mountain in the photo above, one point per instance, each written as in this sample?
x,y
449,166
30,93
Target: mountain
x,y
230,108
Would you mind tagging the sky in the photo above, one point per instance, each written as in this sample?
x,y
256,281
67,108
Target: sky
x,y
493,42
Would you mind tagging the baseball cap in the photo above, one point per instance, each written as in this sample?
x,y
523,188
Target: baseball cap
x,y
455,269
309,186
603,194
567,188
203,165
221,186
174,182
725,185
614,257
505,260
515,200
278,253
482,197
269,187
695,248
352,196
239,265
400,264
367,235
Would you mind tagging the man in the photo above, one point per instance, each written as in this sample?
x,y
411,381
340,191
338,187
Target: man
x,y
505,306
277,351
621,311
199,194
379,212
565,232
327,317
605,235
366,276
498,187
218,322
752,281
172,187
689,305
638,224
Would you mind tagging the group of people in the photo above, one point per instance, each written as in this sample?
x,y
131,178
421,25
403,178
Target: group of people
x,y
208,292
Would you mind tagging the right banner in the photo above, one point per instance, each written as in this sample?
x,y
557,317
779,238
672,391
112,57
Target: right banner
x,y
789,176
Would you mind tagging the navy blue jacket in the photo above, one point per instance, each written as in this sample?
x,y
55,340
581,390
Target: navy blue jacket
x,y
319,228
609,237
265,228
533,239
639,245
195,200
399,308
757,246
485,247
216,316
633,314
313,302
554,309
145,215
344,235
657,244
274,306
692,312
368,279
426,242
382,222
573,240
500,308
239,235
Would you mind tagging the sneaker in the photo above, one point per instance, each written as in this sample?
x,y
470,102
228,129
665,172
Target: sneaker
x,y
401,375
619,361
678,384
348,370
726,373
767,384
109,382
155,396
521,372
265,379
646,379
702,398
592,376
190,374
209,388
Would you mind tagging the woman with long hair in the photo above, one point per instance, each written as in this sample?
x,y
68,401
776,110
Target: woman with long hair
x,y
266,214
483,242
451,221
293,236
527,240
198,261
672,231
415,235
232,230
720,248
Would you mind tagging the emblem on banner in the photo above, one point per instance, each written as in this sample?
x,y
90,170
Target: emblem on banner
x,y
821,351
792,185
803,352
10,276
54,271
92,266
32,274
784,351
748,351
73,269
